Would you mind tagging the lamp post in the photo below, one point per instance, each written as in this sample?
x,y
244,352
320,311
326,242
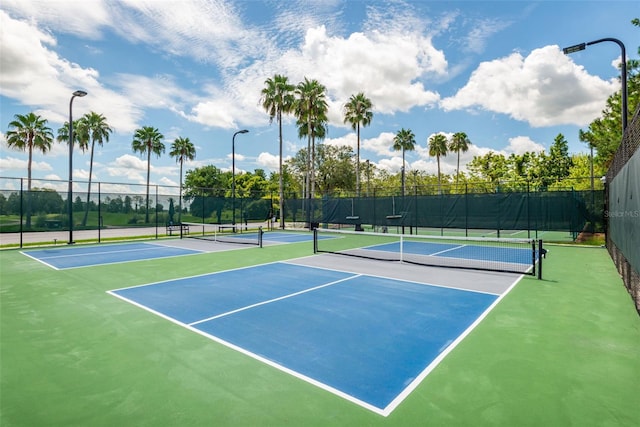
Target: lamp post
x,y
233,174
623,79
623,71
78,93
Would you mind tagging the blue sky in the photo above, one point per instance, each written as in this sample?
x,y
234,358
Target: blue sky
x,y
195,68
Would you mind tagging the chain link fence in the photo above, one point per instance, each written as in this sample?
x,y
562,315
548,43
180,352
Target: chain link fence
x,y
622,210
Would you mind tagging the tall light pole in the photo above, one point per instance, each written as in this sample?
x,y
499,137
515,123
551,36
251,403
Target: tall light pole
x,y
78,93
623,71
233,174
623,79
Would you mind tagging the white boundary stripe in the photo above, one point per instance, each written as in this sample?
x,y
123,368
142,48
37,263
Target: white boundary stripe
x,y
39,260
258,357
475,291
416,382
447,250
153,246
381,411
274,299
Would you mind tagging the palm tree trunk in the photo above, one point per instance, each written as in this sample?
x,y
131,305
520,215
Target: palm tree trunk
x,y
439,181
403,172
358,161
281,182
457,169
146,214
28,212
86,208
313,165
180,196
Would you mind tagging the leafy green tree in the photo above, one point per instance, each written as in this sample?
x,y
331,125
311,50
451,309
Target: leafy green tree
x,y
29,132
148,140
357,112
403,141
78,205
252,185
78,137
92,127
557,164
47,201
334,165
335,168
207,180
438,148
523,170
278,99
311,111
205,187
579,176
182,149
491,167
127,207
459,143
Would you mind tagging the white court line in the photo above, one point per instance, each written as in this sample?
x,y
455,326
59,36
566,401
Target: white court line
x,y
157,247
386,411
274,299
39,260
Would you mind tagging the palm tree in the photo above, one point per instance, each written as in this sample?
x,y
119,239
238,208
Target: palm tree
x,y
277,99
92,126
79,138
311,110
438,148
148,140
404,140
358,113
459,143
26,133
182,149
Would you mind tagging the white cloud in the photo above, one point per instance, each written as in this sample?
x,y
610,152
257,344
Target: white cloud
x,y
81,18
523,144
270,161
130,167
43,78
544,89
7,163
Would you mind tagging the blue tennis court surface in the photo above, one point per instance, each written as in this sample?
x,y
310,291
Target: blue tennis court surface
x,y
85,256
366,338
462,251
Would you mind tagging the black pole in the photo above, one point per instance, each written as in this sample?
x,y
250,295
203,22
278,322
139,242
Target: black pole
x,y
233,177
21,211
541,254
99,212
79,93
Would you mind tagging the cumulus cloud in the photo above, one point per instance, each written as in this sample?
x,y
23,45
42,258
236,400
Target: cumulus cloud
x,y
269,161
44,78
523,144
131,167
7,163
544,89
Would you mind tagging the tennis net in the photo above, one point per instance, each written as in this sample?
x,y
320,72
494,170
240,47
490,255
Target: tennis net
x,y
493,254
223,233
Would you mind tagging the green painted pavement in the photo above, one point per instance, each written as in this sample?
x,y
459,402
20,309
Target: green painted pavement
x,y
562,351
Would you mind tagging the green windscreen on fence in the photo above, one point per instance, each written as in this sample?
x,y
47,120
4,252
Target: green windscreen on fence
x,y
571,211
623,210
